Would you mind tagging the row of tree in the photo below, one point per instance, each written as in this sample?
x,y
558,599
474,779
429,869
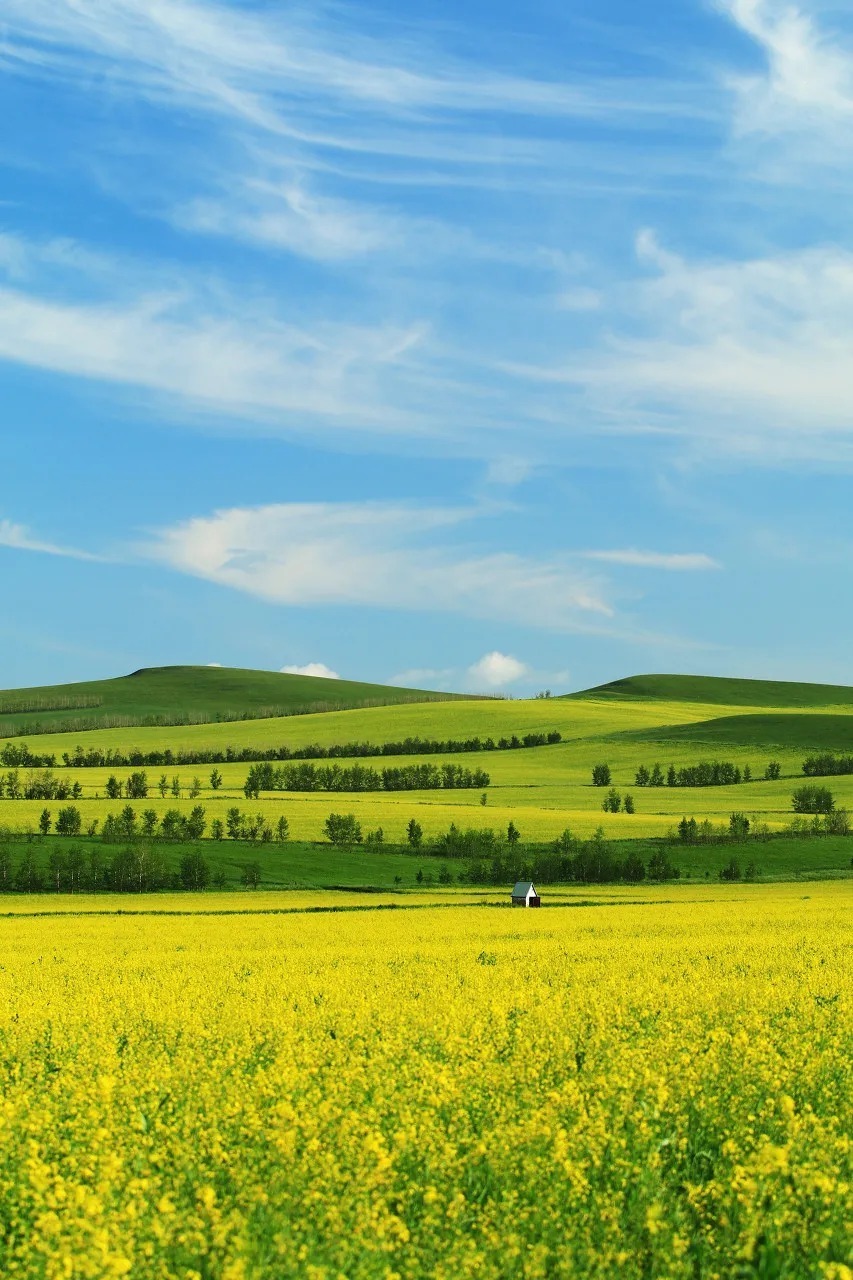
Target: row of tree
x,y
706,773
37,784
310,777
19,756
136,787
827,765
137,868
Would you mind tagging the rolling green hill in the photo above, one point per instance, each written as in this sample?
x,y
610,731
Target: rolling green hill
x,y
189,695
803,732
722,691
542,790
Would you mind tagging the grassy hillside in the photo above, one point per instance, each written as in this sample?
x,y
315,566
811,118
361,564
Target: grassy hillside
x,y
722,691
169,695
541,790
801,732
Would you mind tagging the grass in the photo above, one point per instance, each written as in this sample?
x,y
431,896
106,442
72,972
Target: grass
x,y
197,693
542,790
311,866
723,690
801,731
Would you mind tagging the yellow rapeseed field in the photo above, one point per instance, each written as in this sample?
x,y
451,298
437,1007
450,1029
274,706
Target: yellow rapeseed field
x,y
656,1086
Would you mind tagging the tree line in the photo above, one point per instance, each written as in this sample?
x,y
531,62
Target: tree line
x,y
705,773
20,756
37,785
137,868
413,777
827,765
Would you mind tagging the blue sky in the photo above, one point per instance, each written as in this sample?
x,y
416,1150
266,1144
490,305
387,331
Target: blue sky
x,y
484,346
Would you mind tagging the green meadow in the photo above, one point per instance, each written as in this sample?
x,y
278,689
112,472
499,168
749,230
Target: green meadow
x,y
542,790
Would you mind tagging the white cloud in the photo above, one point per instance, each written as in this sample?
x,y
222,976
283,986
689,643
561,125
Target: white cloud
x,y
291,217
214,664
809,76
215,354
19,537
654,559
381,555
496,670
748,358
311,669
261,68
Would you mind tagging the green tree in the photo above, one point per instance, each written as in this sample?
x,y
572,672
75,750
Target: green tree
x,y
773,771
194,871
136,787
612,802
813,800
176,787
251,876
660,867
163,786
149,823
414,834
44,822
217,830
195,788
127,823
113,788
57,869
215,780
642,776
343,829
282,830
738,826
234,823
513,835
196,823
629,804
173,825
68,821
76,868
601,776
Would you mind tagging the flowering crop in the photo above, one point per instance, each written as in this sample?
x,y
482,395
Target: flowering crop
x,y
646,1088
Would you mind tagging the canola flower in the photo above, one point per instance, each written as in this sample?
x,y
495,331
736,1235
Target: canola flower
x,y
646,1088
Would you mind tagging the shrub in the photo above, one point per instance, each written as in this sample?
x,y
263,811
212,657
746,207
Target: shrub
x,y
343,829
812,800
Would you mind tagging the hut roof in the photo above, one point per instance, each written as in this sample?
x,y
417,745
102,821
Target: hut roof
x,y
522,889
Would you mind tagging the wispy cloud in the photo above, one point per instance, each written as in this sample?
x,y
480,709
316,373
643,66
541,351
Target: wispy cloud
x,y
203,347
379,555
808,80
676,561
747,357
20,538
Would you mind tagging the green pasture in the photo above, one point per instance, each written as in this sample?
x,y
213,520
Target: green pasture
x,y
204,693
576,720
541,790
304,865
722,691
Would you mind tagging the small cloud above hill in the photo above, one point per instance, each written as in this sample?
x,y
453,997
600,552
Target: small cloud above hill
x,y
311,669
497,669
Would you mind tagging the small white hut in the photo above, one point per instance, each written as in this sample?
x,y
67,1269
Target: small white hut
x,y
525,895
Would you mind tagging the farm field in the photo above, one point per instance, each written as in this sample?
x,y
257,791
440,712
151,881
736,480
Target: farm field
x,y
659,1085
542,790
